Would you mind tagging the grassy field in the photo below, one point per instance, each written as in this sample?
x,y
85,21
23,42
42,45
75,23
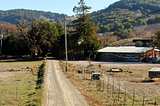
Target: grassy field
x,y
132,90
18,83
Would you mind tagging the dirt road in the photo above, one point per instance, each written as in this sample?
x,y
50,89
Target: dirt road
x,y
59,91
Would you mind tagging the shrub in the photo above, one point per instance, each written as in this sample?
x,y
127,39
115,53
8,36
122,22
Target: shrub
x,y
40,76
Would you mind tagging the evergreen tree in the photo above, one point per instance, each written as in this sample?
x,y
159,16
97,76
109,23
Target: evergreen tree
x,y
85,30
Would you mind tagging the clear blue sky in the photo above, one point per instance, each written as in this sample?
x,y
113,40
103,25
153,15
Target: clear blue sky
x,y
55,6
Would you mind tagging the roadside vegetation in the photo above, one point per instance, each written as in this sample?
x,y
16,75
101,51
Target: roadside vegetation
x,y
18,83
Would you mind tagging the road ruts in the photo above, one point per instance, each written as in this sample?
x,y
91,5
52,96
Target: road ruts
x,y
59,91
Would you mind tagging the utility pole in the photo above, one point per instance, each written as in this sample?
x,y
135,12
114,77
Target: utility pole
x,y
66,43
1,36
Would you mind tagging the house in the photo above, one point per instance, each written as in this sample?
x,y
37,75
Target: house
x,y
145,42
129,53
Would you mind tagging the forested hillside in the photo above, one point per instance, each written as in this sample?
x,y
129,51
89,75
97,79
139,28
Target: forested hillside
x,y
123,14
13,16
117,17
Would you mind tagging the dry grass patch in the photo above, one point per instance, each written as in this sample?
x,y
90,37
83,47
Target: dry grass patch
x,y
105,94
18,87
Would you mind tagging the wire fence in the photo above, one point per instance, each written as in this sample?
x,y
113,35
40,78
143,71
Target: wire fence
x,y
123,92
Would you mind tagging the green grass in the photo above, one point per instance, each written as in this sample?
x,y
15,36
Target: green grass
x,y
19,88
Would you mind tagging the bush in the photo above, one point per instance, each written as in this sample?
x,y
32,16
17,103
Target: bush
x,y
40,76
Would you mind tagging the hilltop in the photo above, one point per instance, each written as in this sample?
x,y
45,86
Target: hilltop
x,y
124,13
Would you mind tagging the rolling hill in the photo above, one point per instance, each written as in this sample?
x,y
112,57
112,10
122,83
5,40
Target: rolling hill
x,y
123,14
13,16
117,17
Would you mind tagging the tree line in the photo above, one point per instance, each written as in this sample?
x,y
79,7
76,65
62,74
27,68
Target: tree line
x,y
37,38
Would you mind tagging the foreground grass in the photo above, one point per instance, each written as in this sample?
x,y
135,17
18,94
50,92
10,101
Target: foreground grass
x,y
18,87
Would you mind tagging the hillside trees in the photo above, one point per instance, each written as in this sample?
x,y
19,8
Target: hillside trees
x,y
14,16
85,30
126,11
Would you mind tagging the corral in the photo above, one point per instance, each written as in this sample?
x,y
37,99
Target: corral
x,y
131,82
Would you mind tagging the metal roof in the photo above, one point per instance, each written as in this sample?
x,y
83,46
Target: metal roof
x,y
125,49
155,69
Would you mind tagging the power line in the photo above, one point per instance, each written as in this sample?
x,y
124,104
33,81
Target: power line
x,y
147,14
70,4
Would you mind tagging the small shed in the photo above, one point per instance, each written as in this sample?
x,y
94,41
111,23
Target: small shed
x,y
95,76
154,72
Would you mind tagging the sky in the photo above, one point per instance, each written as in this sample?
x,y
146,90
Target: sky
x,y
55,6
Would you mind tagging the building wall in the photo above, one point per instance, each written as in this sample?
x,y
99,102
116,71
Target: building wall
x,y
132,57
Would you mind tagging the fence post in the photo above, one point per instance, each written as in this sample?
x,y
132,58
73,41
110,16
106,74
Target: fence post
x,y
84,72
96,83
113,87
155,101
119,89
108,85
90,72
133,96
100,85
125,95
103,80
144,99
74,68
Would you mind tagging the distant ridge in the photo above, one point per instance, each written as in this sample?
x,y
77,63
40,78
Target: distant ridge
x,y
14,15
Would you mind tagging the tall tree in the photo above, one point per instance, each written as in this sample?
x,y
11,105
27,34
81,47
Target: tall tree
x,y
81,23
85,30
41,36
